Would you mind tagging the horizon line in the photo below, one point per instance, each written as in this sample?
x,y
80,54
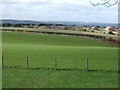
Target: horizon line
x,y
55,21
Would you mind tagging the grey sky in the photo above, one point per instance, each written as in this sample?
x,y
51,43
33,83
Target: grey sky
x,y
58,10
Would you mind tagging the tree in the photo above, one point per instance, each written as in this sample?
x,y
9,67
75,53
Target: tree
x,y
18,25
7,25
110,32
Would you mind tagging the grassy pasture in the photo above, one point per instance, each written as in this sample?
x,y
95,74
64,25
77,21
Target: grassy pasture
x,y
71,52
19,78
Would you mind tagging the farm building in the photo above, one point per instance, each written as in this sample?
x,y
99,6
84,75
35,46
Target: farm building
x,y
94,28
87,28
109,28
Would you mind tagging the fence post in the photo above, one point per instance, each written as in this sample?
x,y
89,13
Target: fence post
x,y
2,61
86,64
27,62
55,63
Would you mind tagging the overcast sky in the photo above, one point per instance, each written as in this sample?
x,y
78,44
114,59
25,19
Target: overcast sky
x,y
58,10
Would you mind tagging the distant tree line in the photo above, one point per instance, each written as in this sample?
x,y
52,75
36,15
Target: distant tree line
x,y
29,25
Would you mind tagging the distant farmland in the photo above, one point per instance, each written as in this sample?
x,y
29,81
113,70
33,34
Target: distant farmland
x,y
71,52
113,39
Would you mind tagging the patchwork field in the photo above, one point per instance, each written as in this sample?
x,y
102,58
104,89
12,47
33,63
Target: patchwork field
x,y
71,52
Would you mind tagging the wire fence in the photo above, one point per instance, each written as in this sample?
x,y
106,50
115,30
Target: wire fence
x,y
57,63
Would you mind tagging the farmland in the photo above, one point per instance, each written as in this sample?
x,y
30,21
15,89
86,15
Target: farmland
x,y
71,52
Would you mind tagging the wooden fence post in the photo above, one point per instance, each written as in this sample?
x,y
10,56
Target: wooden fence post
x,y
2,61
27,62
55,63
87,64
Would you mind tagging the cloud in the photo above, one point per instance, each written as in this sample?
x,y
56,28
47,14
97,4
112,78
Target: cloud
x,y
24,0
59,10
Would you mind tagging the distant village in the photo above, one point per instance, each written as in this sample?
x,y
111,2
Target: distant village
x,y
96,29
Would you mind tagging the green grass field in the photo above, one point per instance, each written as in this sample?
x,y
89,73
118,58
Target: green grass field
x,y
71,52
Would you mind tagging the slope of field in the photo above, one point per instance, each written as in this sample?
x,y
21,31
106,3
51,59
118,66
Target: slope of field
x,y
71,52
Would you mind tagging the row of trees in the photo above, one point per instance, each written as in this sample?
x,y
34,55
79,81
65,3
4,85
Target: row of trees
x,y
29,25
42,24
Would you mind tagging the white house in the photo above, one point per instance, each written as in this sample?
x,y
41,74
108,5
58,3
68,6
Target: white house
x,y
109,28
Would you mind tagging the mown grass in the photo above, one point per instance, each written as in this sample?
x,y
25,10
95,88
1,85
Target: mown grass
x,y
71,52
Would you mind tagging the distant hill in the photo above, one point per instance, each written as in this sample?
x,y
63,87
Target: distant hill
x,y
57,22
20,21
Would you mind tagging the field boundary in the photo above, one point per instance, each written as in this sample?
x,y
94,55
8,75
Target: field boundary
x,y
59,69
27,67
112,39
